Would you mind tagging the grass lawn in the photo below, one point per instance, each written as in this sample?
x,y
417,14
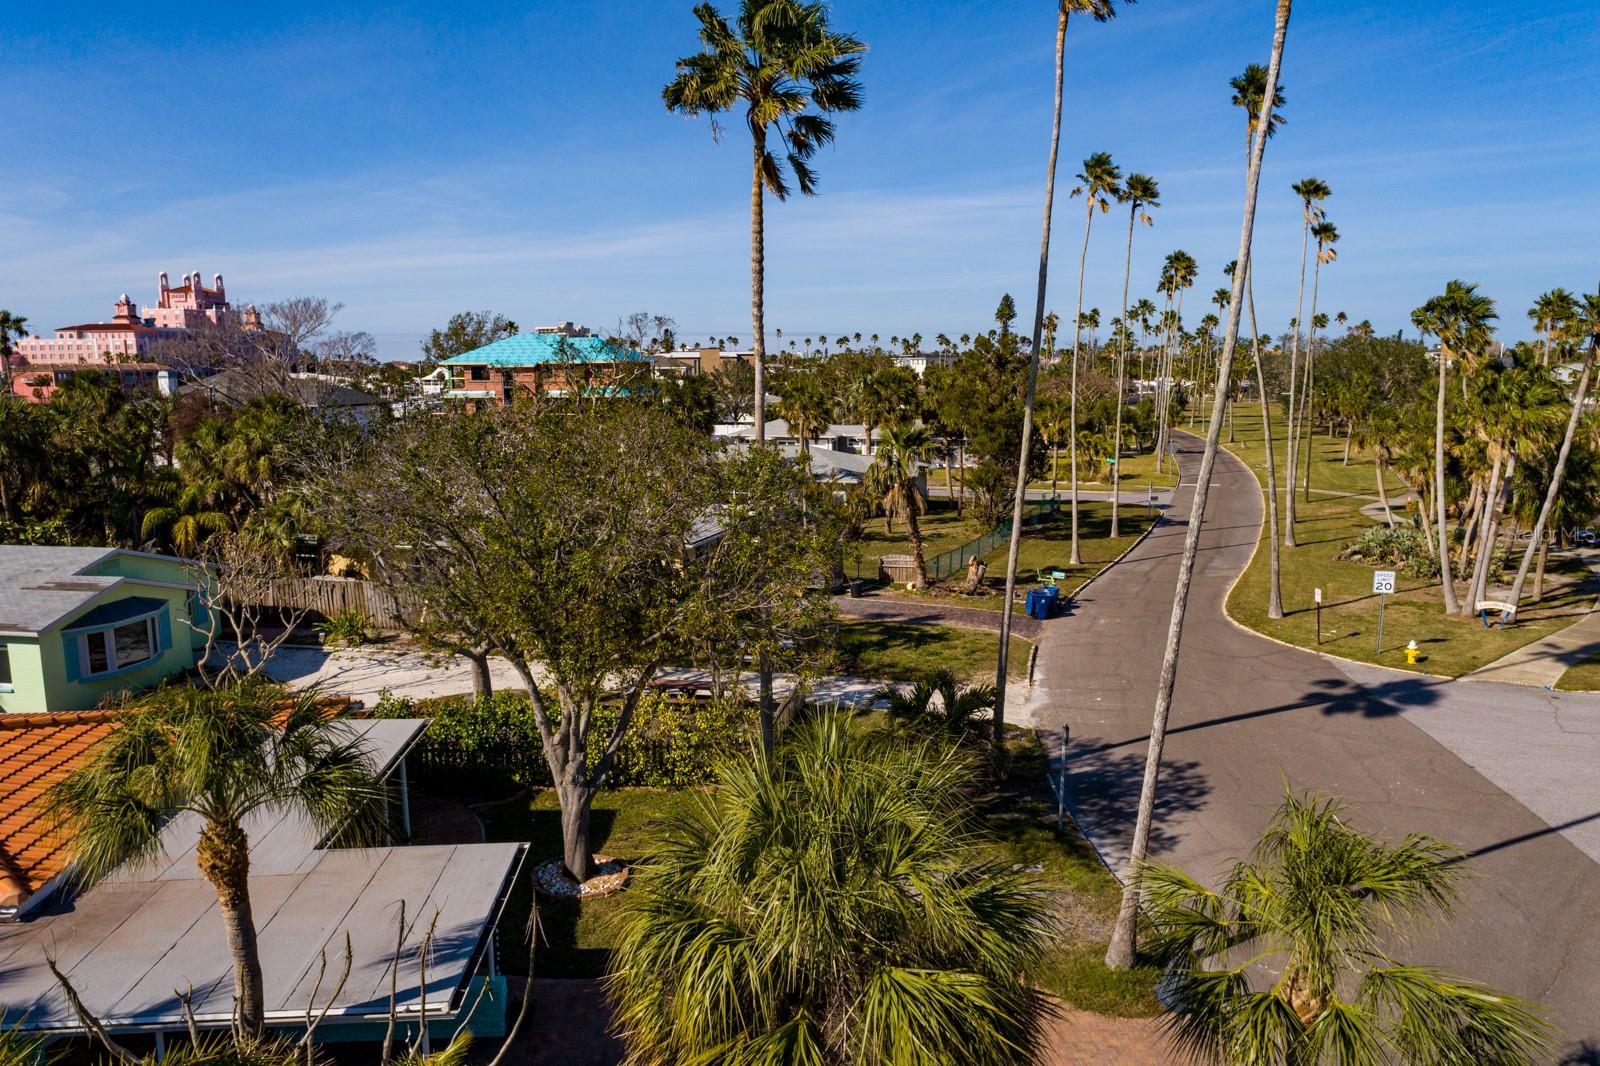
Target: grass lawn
x,y
941,531
1137,472
1333,519
578,937
1048,547
1584,677
903,651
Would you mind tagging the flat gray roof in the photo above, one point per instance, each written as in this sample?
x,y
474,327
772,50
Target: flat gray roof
x,y
129,942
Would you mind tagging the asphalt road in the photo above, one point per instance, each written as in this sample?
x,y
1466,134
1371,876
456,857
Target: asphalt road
x,y
1251,717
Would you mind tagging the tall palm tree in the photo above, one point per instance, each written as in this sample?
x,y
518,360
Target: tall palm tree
x,y
11,327
1318,904
224,755
1141,193
1548,314
1326,234
1177,275
1249,93
893,478
1143,312
1311,191
1119,954
1581,318
789,71
832,906
1100,11
1099,183
1460,318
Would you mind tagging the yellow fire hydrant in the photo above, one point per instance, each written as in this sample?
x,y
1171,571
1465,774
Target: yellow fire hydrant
x,y
1412,653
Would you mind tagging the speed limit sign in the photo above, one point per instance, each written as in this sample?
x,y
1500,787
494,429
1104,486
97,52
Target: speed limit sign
x,y
1382,582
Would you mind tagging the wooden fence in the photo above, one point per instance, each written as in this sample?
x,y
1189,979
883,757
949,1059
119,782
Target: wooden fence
x,y
329,596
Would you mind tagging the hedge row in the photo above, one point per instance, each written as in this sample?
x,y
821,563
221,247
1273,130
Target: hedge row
x,y
493,742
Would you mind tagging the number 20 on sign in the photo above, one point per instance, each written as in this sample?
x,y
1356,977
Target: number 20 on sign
x,y
1382,586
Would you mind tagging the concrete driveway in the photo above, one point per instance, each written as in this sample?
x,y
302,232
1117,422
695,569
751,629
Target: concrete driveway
x,y
1504,772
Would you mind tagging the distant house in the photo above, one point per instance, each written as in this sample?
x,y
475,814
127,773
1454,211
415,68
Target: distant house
x,y
316,392
79,623
127,942
919,362
541,364
845,437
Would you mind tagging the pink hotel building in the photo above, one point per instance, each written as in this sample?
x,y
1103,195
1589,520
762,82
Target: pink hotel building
x,y
130,343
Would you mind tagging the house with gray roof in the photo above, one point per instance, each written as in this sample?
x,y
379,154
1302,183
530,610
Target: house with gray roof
x,y
78,624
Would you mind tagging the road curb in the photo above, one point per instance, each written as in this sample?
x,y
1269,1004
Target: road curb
x,y
1261,491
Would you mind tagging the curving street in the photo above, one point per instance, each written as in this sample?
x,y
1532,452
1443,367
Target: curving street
x,y
1505,772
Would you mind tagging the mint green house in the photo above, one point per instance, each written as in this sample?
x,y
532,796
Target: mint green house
x,y
77,624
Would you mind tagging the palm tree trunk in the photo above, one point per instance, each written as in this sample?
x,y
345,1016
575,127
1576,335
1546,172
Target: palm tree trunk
x,y
1072,403
1553,491
1469,523
1383,492
1122,359
914,534
1311,362
1292,437
1538,576
1480,561
223,856
1021,494
1119,955
1274,550
949,478
1349,434
758,281
1446,582
1423,503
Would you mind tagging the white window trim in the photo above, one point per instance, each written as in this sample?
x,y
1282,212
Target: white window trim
x,y
87,673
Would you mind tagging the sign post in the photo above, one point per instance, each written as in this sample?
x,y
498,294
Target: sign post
x,y
1316,594
1382,585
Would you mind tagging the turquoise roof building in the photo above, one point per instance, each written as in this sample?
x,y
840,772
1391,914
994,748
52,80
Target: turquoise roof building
x,y
542,364
538,349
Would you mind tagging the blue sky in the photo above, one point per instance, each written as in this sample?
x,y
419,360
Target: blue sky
x,y
416,162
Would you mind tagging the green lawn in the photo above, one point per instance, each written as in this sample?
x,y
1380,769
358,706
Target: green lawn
x,y
1048,547
1137,472
578,937
903,651
1332,519
1584,677
941,531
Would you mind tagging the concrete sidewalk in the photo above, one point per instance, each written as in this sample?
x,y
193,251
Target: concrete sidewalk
x,y
1544,661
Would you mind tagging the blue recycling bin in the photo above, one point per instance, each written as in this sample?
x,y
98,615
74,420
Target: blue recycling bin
x,y
1049,598
1031,603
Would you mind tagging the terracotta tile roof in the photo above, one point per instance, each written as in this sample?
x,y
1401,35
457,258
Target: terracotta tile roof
x,y
37,750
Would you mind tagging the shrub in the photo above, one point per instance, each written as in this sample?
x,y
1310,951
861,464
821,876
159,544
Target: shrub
x,y
493,744
348,627
1401,547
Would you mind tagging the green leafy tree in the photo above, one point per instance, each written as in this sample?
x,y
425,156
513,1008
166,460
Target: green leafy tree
x,y
466,332
225,756
1323,901
788,70
1582,318
832,907
12,326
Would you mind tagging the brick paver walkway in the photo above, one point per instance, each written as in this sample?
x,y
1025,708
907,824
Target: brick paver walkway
x,y
1078,1038
925,613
